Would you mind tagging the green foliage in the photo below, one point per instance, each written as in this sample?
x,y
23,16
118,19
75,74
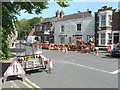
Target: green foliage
x,y
9,19
5,43
25,26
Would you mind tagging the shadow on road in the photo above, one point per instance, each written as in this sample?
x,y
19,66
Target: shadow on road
x,y
4,67
108,56
41,70
16,50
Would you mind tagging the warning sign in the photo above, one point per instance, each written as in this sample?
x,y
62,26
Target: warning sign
x,y
14,69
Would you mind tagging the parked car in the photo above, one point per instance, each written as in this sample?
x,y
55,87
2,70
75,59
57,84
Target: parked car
x,y
116,51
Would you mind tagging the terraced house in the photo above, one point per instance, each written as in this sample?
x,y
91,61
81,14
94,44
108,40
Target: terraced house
x,y
103,27
77,25
107,26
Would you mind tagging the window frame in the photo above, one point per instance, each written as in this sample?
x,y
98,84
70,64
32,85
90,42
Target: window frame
x,y
79,28
62,29
103,20
102,39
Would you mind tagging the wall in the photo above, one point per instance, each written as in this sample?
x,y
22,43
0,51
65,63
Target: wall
x,y
87,28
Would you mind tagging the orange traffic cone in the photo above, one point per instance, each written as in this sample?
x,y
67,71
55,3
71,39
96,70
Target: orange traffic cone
x,y
96,52
50,65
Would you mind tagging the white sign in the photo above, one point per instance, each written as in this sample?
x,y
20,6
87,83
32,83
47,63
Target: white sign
x,y
14,69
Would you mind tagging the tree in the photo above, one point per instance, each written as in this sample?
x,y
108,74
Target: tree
x,y
9,19
20,27
25,26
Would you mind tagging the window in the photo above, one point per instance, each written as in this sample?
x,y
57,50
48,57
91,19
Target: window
x,y
116,38
110,18
102,38
62,28
78,27
103,20
70,39
109,38
62,40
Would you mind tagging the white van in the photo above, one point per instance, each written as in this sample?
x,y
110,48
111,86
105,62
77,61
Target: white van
x,y
31,39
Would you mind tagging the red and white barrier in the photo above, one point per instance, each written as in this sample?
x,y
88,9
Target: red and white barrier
x,y
50,65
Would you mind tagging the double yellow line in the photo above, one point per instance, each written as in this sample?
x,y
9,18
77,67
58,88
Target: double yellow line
x,y
29,84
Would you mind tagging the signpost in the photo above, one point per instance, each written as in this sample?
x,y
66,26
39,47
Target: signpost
x,y
15,69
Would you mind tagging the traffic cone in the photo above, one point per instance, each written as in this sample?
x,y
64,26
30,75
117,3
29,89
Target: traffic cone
x,y
96,52
109,48
50,65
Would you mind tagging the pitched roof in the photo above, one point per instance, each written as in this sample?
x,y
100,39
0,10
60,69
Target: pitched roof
x,y
67,17
32,32
52,19
76,16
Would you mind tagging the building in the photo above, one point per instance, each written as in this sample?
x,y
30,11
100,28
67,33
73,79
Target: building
x,y
107,26
70,27
45,28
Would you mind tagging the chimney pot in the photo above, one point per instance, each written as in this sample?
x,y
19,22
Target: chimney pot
x,y
57,13
89,11
41,19
61,14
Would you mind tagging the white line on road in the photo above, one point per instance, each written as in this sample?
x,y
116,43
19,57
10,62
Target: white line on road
x,y
36,86
113,72
116,71
15,85
26,84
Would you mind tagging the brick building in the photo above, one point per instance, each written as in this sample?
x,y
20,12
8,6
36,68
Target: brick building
x,y
107,26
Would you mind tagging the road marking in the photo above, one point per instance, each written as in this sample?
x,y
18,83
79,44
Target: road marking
x,y
36,86
15,85
113,72
116,71
26,84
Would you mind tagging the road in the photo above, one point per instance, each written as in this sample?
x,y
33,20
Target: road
x,y
74,70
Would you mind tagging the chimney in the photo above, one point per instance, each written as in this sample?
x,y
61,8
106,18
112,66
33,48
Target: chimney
x,y
61,14
41,19
57,13
89,11
79,12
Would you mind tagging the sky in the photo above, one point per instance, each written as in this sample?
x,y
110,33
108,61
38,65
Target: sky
x,y
73,8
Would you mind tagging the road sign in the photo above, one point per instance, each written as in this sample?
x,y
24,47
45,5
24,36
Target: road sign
x,y
14,69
